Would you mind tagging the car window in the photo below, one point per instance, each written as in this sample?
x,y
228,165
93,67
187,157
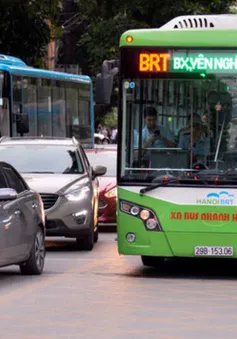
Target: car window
x,y
3,183
14,181
42,158
107,159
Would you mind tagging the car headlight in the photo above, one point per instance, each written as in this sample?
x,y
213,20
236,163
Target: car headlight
x,y
112,193
78,194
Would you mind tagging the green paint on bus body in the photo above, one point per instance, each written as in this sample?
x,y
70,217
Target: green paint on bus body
x,y
183,227
180,38
208,221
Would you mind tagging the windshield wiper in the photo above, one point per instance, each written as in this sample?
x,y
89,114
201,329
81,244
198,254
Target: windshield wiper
x,y
181,181
160,184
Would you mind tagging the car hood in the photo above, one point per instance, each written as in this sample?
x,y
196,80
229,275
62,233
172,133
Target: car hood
x,y
51,183
107,183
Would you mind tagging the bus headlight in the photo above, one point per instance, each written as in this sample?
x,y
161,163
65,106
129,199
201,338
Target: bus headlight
x,y
151,224
146,215
130,237
135,210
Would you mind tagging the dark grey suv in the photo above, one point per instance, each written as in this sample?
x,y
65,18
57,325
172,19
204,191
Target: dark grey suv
x,y
59,170
22,223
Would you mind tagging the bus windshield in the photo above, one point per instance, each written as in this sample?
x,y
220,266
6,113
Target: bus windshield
x,y
178,123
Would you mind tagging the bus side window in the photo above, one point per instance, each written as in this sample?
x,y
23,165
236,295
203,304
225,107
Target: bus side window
x,y
30,103
4,103
17,101
17,94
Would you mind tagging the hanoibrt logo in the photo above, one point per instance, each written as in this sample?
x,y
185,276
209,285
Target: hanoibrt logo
x,y
219,199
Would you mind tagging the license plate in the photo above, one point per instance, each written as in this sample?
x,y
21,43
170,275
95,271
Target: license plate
x,y
215,251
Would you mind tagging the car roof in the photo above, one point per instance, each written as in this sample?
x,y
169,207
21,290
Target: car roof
x,y
46,141
102,149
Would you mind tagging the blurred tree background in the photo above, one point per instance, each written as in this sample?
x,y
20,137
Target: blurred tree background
x,y
105,21
25,30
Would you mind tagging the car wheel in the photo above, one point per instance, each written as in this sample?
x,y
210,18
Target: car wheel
x,y
96,235
35,264
87,243
152,261
105,142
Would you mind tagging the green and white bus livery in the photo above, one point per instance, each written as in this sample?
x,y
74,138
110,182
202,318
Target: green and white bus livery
x,y
177,156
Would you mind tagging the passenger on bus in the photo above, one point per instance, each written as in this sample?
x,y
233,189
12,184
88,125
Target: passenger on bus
x,y
200,142
153,135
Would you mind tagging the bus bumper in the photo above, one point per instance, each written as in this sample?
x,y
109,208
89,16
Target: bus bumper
x,y
179,244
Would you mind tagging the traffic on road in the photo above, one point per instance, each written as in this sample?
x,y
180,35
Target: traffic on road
x,y
58,196
83,274
146,148
81,293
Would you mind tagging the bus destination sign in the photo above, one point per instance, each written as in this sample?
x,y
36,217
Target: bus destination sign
x,y
174,62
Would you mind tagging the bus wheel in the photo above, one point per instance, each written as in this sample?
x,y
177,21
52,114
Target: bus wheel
x,y
152,261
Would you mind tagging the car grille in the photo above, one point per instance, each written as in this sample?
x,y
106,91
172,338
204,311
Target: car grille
x,y
49,200
51,224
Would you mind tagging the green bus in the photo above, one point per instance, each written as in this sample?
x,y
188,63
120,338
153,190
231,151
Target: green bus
x,y
177,140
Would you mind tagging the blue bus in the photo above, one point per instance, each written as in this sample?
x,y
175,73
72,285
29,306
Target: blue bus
x,y
37,102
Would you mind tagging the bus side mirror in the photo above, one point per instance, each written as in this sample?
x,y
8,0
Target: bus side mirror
x,y
105,81
103,88
22,123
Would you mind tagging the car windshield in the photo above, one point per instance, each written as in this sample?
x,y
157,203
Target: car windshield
x,y
106,158
42,159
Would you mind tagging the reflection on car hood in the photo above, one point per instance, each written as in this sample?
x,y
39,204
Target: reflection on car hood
x,y
4,217
106,183
50,183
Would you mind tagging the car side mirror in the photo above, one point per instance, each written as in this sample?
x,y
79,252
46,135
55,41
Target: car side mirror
x,y
7,194
98,171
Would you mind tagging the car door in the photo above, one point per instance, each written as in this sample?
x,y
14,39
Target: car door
x,y
9,226
26,221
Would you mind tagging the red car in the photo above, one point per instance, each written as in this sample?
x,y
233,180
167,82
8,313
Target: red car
x,y
106,156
